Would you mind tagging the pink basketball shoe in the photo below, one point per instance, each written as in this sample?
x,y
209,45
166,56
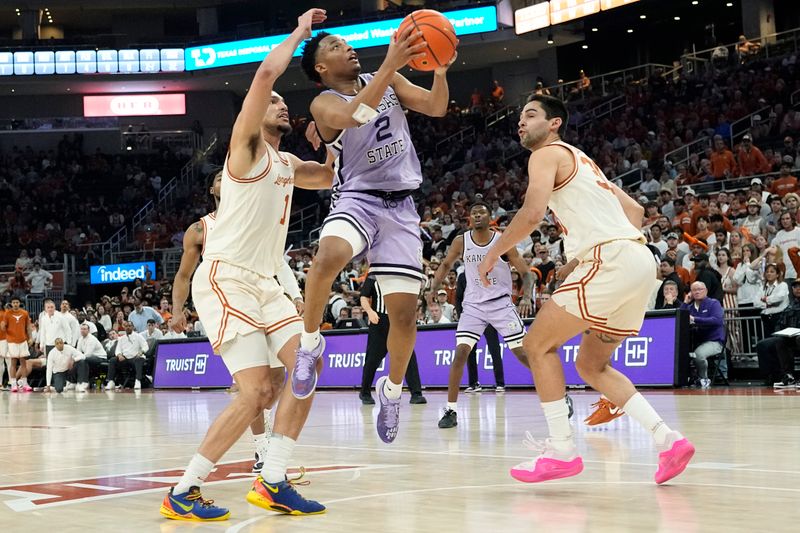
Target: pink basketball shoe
x,y
678,451
550,464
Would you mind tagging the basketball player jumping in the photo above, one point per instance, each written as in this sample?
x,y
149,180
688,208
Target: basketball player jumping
x,y
483,305
248,319
360,118
605,296
194,241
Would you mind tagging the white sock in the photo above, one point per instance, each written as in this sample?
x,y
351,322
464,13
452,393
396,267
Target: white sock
x,y
279,451
23,382
392,390
258,437
309,341
196,473
557,415
452,406
641,411
12,382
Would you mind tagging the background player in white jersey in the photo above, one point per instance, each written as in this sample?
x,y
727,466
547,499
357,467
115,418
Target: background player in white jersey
x,y
483,306
605,296
248,319
362,121
194,241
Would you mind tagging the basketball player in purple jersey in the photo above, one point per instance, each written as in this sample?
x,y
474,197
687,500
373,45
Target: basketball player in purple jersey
x,y
360,118
483,305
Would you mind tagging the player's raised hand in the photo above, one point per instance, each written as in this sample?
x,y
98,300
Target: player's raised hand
x,y
443,69
178,322
310,17
486,266
405,46
525,307
312,135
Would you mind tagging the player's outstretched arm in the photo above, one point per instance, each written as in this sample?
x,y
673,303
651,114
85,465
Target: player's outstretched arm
x,y
192,244
542,170
248,124
331,113
516,260
311,175
633,210
453,253
432,103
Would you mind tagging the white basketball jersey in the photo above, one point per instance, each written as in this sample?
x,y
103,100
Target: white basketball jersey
x,y
208,222
587,208
253,215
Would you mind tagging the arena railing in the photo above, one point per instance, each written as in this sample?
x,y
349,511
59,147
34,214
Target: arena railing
x,y
153,140
744,329
603,83
602,110
685,152
771,45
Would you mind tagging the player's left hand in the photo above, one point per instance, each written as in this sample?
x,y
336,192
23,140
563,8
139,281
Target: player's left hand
x,y
442,70
486,266
566,270
300,305
312,16
312,136
525,307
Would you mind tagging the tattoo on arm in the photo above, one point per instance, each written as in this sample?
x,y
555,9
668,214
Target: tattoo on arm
x,y
198,227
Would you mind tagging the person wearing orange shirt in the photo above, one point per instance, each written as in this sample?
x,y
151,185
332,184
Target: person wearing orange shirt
x,y
17,325
700,209
750,159
723,164
785,183
682,218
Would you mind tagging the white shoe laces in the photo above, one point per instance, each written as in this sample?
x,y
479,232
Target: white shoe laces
x,y
537,446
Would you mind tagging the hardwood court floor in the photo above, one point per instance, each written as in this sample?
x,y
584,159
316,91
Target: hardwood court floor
x,y
101,463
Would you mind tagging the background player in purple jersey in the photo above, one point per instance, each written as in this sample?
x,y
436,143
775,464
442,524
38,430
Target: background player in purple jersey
x,y
361,120
483,305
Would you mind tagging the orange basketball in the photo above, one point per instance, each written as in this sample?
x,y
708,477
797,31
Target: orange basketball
x,y
438,32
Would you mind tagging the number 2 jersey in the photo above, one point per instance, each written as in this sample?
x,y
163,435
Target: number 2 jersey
x,y
587,208
378,155
253,215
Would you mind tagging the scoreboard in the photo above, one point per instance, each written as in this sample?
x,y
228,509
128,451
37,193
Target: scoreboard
x,y
126,61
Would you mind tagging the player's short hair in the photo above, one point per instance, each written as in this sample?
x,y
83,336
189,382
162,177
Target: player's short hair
x,y
553,108
308,59
480,203
211,177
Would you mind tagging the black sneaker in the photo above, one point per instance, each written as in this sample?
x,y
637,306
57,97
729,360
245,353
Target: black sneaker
x,y
366,399
417,399
787,383
259,464
449,419
569,404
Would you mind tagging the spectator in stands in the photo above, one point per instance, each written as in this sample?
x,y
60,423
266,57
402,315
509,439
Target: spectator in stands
x,y
541,89
164,309
447,308
39,279
668,296
72,323
498,93
754,223
785,183
103,318
669,275
682,218
130,351
436,316
18,285
554,244
773,297
749,159
726,271
776,353
788,237
723,164
703,232
63,363
748,278
712,281
92,349
650,186
152,333
656,240
708,328
119,321
141,314
23,263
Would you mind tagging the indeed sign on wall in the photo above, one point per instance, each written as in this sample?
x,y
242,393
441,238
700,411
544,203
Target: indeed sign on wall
x,y
121,272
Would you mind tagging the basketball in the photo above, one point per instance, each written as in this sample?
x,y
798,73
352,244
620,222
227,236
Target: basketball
x,y
440,35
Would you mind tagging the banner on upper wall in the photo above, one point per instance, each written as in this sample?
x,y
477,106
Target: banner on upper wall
x,y
647,359
364,35
120,272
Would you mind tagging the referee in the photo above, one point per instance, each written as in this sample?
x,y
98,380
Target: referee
x,y
372,303
493,344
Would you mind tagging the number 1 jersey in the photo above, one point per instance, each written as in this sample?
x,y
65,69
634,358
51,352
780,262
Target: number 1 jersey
x,y
377,155
253,215
587,208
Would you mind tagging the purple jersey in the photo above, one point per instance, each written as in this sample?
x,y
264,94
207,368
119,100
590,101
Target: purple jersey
x,y
500,276
378,155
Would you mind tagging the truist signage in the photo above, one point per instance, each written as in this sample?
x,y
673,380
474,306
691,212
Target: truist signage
x,y
647,359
